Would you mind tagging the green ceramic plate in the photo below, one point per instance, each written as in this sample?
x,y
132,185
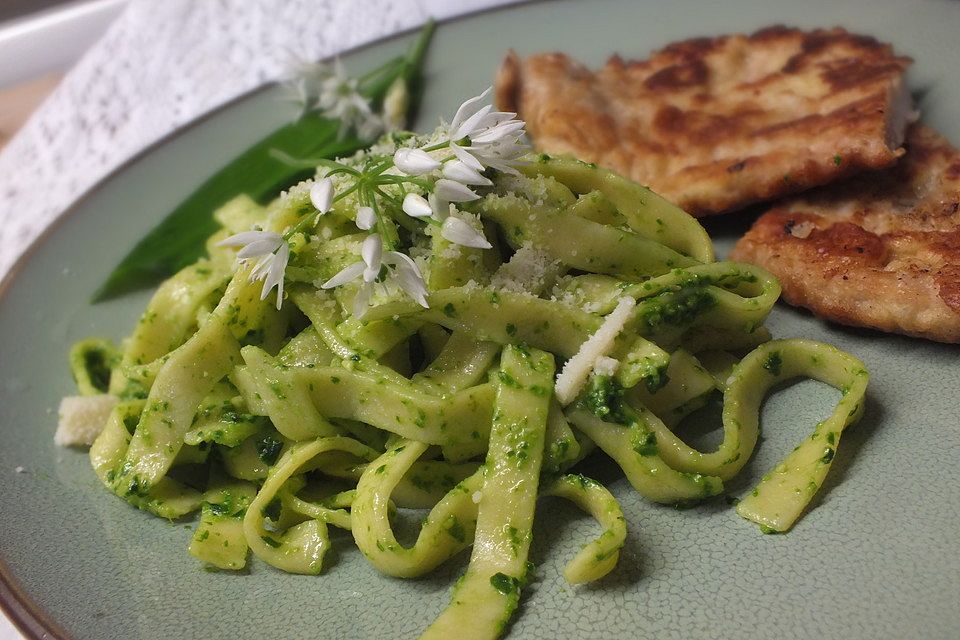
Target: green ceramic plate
x,y
874,558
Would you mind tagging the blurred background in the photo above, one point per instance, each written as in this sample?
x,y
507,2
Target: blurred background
x,y
39,41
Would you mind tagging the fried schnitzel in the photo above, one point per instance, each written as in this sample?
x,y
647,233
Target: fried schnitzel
x,y
714,124
880,250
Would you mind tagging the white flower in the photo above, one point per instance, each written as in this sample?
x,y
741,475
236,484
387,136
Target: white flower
x,y
503,156
460,232
371,268
454,191
366,218
452,227
466,157
416,206
469,116
496,137
414,162
396,104
338,98
321,195
494,140
460,171
303,80
272,253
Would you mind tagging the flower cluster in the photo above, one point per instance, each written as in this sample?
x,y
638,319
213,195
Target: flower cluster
x,y
317,86
425,179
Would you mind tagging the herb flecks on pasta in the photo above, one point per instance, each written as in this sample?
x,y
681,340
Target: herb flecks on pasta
x,y
426,293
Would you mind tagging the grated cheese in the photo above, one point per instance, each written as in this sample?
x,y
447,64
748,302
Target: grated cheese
x,y
606,366
578,368
82,418
530,270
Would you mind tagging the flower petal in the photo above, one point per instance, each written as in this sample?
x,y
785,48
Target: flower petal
x,y
498,132
321,194
458,171
416,206
372,253
408,276
396,103
459,232
368,125
262,267
439,207
471,124
366,218
275,275
361,301
454,191
345,275
245,238
465,157
261,247
414,162
496,117
467,109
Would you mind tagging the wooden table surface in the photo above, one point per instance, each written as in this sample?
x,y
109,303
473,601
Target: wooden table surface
x,y
19,101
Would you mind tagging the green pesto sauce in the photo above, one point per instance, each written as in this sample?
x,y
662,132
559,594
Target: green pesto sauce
x,y
98,363
507,585
604,399
277,389
656,380
130,423
507,380
455,530
647,445
773,363
675,308
268,449
270,541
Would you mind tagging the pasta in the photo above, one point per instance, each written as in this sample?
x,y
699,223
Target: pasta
x,y
301,415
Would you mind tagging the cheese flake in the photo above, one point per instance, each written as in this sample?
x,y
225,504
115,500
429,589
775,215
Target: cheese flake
x,y
578,368
606,366
82,418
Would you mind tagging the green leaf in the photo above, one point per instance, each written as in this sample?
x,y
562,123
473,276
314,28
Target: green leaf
x,y
260,173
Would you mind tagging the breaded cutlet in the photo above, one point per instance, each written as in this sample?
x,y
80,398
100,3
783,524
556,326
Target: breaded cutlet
x,y
715,124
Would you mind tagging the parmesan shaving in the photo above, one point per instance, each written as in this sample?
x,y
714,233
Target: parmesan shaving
x,y
82,418
578,368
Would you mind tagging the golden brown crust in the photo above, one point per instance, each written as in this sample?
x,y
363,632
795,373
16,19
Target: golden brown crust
x,y
717,123
881,250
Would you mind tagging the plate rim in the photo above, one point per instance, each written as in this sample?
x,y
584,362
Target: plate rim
x,y
29,617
